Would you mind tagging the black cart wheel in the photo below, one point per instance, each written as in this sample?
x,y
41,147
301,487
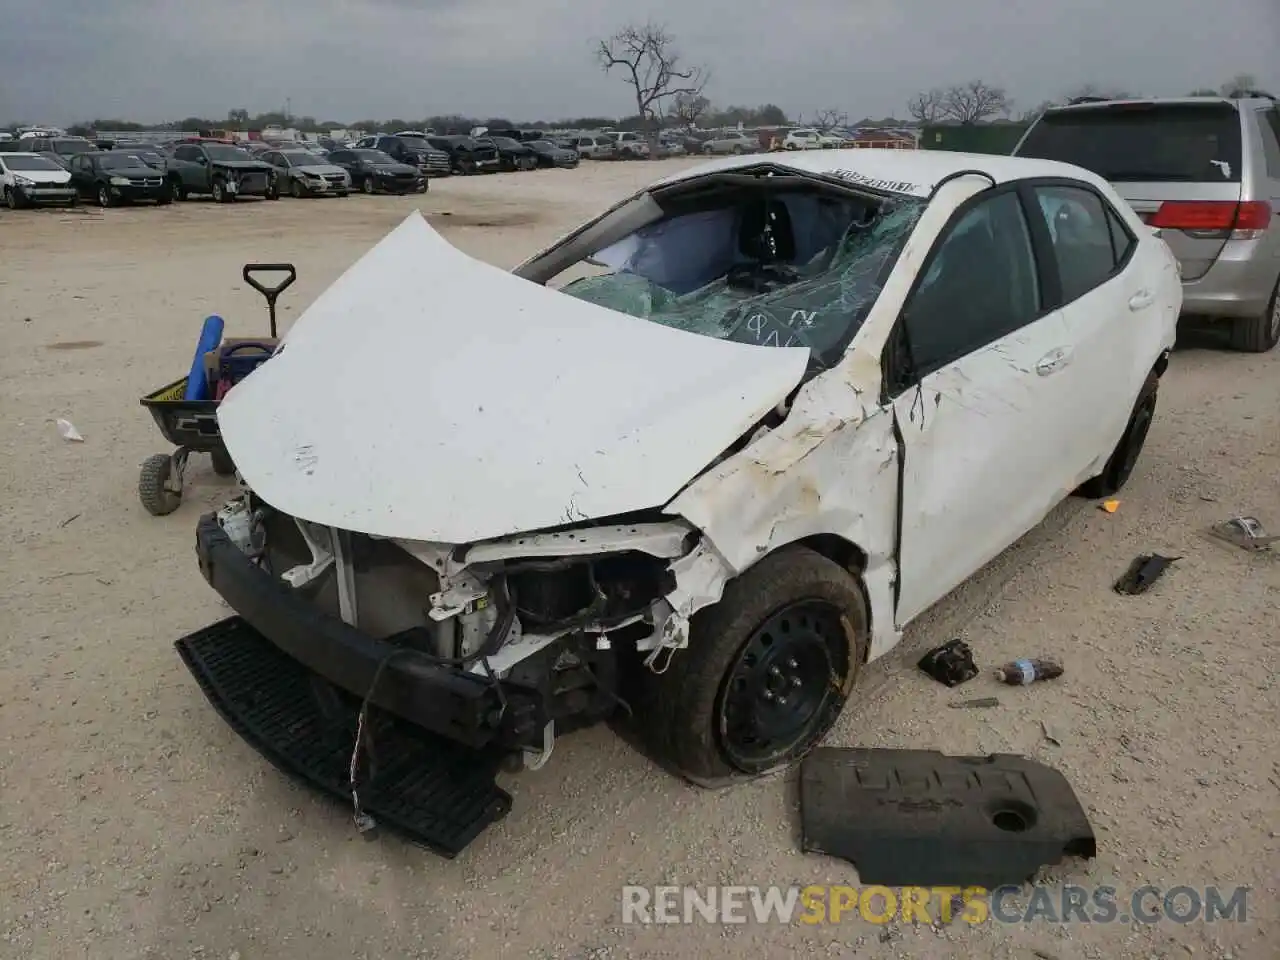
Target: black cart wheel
x,y
1120,464
766,673
155,485
222,463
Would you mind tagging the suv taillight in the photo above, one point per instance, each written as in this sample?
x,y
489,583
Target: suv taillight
x,y
1245,220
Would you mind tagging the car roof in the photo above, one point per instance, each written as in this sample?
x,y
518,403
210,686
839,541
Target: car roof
x,y
913,172
1162,101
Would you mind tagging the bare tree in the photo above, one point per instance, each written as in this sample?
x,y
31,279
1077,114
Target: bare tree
x,y
651,65
928,106
826,119
1027,116
1240,84
689,108
974,101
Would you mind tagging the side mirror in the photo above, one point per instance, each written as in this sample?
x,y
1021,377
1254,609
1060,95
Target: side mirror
x,y
203,161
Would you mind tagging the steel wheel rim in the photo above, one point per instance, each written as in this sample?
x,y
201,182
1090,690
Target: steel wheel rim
x,y
104,198
781,693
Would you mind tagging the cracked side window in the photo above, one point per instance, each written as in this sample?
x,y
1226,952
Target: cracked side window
x,y
775,267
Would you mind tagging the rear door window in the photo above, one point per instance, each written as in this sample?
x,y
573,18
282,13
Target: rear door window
x,y
1082,237
1144,142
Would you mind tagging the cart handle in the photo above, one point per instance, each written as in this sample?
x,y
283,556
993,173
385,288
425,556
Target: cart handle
x,y
271,293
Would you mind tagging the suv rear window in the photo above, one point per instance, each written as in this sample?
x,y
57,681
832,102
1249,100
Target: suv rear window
x,y
1143,142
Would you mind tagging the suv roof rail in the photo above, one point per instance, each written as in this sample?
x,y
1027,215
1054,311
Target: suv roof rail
x,y
1087,99
1251,95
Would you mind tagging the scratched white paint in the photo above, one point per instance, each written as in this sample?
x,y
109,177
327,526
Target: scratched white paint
x,y
429,396
540,409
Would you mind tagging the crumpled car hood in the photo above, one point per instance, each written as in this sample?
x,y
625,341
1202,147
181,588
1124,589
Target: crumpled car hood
x,y
429,396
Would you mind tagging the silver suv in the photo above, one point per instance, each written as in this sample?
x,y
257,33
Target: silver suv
x,y
1204,171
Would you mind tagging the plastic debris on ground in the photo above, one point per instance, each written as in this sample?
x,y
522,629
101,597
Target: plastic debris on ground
x,y
1109,506
950,664
980,703
69,432
1143,573
1022,673
922,818
1243,532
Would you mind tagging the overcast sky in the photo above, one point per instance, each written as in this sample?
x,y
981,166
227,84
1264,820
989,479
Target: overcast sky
x,y
155,60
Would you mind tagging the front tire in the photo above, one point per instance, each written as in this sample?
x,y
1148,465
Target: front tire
x,y
104,197
766,673
295,190
178,191
1261,333
220,194
366,186
156,483
1119,466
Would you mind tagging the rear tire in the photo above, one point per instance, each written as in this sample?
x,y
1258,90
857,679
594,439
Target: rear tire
x,y
1261,333
766,673
1120,464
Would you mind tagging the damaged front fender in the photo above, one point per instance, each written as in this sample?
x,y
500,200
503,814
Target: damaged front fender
x,y
830,469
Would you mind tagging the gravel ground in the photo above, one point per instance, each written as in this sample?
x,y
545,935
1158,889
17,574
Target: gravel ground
x,y
134,823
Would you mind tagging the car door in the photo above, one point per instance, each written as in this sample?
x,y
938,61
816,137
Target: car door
x,y
187,157
1107,287
1269,126
81,175
970,372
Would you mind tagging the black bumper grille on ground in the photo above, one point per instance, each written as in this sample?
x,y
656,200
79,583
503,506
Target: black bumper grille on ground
x,y
436,792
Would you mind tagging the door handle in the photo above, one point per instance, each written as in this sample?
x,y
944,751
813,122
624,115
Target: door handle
x,y
1141,299
1052,361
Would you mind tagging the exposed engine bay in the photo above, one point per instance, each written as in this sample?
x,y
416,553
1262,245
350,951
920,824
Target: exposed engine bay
x,y
551,612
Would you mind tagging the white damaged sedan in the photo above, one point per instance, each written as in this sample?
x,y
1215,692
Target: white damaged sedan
x,y
699,461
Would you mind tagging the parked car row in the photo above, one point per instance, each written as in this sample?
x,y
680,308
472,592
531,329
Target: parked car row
x,y
225,171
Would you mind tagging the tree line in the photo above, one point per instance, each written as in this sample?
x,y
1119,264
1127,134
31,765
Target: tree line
x,y
977,101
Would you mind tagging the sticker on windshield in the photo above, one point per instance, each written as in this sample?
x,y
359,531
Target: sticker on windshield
x,y
892,186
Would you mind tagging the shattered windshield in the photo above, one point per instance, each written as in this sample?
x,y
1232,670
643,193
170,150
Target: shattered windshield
x,y
797,267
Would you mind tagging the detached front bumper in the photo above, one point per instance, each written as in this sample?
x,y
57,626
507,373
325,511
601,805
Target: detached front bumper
x,y
464,707
263,675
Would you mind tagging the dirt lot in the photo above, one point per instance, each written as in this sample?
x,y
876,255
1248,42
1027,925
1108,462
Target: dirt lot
x,y
134,823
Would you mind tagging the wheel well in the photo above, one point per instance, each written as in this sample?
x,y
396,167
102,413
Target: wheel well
x,y
837,549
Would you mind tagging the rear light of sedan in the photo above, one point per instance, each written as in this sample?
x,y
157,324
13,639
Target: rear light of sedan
x,y
1215,219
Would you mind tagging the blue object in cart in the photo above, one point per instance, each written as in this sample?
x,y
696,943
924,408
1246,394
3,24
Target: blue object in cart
x,y
197,381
